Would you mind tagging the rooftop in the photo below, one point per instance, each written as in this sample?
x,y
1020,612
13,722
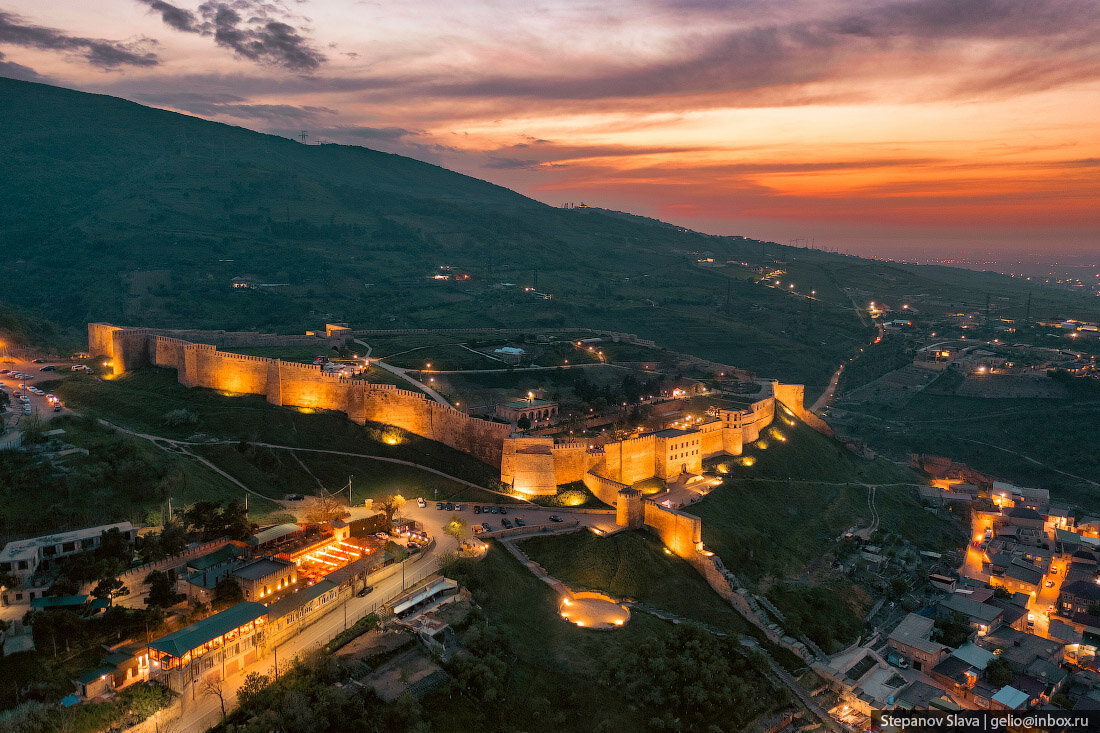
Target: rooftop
x,y
914,631
273,533
974,655
973,609
262,568
521,404
220,556
1082,589
22,549
1010,697
58,601
191,637
671,433
297,599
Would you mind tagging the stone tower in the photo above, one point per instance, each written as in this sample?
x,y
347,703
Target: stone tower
x,y
629,511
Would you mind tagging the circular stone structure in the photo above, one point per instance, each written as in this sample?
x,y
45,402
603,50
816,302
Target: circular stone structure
x,y
594,611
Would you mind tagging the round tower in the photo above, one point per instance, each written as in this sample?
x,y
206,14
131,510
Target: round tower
x,y
629,511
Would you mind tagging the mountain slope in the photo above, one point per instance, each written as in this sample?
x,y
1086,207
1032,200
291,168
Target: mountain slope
x,y
114,211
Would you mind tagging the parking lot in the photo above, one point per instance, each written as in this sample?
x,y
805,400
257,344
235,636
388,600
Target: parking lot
x,y
483,518
19,380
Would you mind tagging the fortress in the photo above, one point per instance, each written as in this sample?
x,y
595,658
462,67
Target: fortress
x,y
534,466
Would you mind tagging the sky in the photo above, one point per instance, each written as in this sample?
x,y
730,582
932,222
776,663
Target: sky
x,y
898,128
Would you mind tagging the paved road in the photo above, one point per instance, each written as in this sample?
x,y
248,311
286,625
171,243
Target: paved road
x,y
404,374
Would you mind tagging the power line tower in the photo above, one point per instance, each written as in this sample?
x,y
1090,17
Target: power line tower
x,y
303,136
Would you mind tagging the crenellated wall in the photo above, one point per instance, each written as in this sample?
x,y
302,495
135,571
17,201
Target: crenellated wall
x,y
682,533
300,385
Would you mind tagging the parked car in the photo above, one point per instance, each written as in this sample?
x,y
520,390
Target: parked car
x,y
503,510
439,505
555,518
449,506
365,591
421,503
477,509
487,527
459,507
48,368
506,523
520,522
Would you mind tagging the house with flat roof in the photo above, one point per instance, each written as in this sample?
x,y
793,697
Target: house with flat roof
x,y
23,558
981,616
912,638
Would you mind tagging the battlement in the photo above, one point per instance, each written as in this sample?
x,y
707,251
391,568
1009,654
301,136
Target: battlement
x,y
295,384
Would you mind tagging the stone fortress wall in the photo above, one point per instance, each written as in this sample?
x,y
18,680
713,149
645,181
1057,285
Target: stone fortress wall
x,y
531,465
297,385
538,465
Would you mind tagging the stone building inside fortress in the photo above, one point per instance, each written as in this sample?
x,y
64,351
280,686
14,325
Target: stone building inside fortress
x,y
538,465
530,465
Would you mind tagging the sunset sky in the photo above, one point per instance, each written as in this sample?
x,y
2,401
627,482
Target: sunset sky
x,y
913,127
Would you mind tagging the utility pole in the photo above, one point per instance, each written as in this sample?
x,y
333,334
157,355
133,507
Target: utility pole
x,y
350,502
1027,313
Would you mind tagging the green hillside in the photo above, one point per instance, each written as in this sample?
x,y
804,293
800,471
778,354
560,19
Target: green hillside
x,y
114,211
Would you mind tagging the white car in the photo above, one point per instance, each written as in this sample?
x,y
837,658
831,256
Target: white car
x,y
421,503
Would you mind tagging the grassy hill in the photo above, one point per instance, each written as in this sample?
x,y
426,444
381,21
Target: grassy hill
x,y
777,524
114,211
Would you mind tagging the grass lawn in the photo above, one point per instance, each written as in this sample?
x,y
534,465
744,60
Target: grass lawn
x,y
140,400
277,472
632,565
777,533
121,478
552,679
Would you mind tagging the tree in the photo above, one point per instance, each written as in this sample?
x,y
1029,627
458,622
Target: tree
x,y
456,528
326,508
226,593
390,507
999,672
144,699
235,520
524,422
254,684
110,589
162,592
212,686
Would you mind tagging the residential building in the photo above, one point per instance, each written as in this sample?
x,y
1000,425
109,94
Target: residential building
x,y
23,558
912,638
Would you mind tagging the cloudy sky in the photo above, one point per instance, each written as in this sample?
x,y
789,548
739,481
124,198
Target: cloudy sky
x,y
900,127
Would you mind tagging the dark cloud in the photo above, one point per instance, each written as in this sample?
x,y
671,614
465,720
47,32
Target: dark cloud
x,y
253,29
362,132
232,105
179,18
98,52
1056,40
13,70
497,162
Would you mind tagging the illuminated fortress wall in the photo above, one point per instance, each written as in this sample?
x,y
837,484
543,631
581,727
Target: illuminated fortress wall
x,y
299,385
